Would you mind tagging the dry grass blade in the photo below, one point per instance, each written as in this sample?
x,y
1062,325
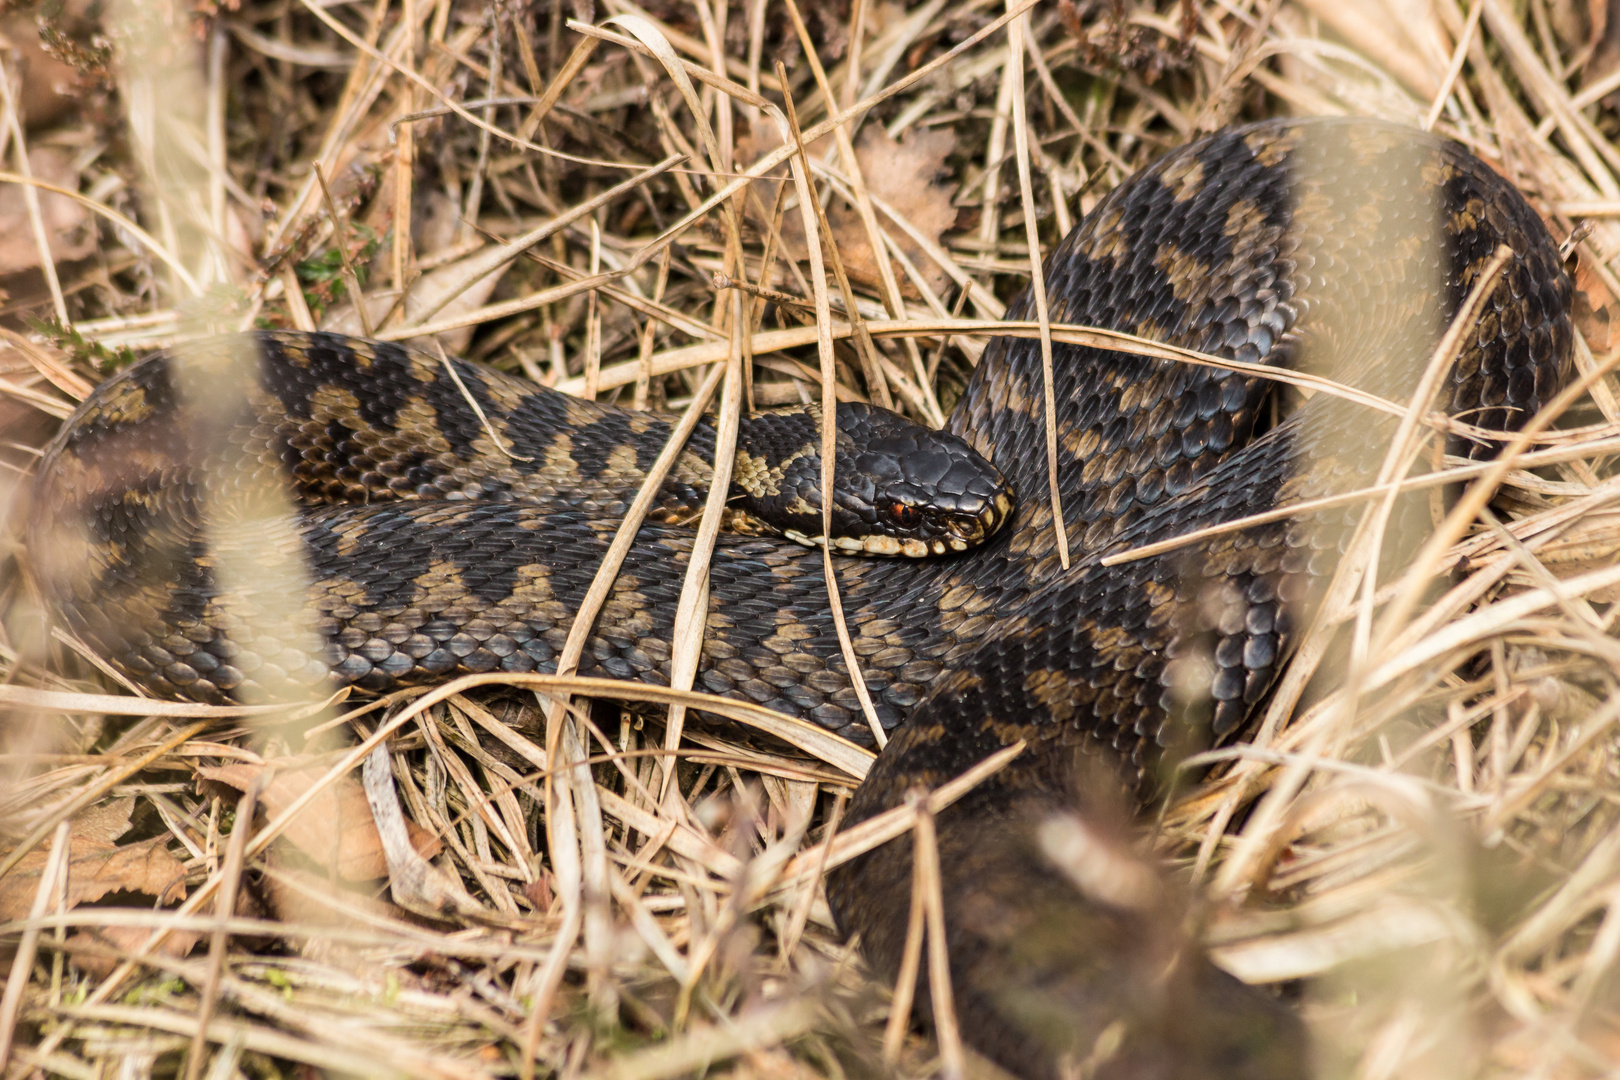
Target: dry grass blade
x,y
1453,69
224,907
36,221
22,963
1037,277
124,223
350,278
775,340
815,228
925,857
692,610
876,384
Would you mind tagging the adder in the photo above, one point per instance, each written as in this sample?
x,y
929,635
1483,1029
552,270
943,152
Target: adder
x,y
1339,247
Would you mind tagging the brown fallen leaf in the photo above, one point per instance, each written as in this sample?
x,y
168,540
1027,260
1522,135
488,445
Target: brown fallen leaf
x,y
905,175
66,221
99,951
105,821
1604,37
540,893
1594,309
51,88
96,868
311,899
297,895
336,828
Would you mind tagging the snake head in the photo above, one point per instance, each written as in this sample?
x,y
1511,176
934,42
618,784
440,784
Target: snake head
x,y
898,489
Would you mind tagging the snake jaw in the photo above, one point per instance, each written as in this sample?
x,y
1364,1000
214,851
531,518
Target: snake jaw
x,y
968,528
949,533
907,547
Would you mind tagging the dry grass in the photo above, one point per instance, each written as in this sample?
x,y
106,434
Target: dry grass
x,y
1431,863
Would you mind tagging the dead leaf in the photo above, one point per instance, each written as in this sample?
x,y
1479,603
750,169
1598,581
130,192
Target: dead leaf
x,y
1594,309
106,821
66,221
904,175
96,868
84,946
98,950
540,893
297,895
336,828
1605,33
426,294
51,89
311,899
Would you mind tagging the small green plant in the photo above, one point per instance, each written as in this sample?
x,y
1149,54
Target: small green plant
x,y
322,273
76,345
156,992
278,979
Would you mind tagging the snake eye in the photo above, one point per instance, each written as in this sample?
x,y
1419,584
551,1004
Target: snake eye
x,y
905,515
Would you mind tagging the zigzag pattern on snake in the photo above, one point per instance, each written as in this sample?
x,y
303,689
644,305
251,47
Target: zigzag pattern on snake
x,y
1340,247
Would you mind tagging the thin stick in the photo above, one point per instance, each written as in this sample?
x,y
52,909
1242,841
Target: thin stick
x,y
774,340
593,319
350,278
478,411
559,82
404,170
801,913
1553,456
775,296
644,382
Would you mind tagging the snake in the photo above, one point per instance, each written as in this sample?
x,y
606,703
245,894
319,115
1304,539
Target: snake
x,y
1340,250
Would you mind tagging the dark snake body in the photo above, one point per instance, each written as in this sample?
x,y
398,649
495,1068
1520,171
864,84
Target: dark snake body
x,y
1341,247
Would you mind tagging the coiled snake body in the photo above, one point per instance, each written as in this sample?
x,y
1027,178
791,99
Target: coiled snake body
x,y
1339,247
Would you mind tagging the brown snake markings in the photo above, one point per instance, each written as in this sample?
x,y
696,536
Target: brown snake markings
x,y
1343,247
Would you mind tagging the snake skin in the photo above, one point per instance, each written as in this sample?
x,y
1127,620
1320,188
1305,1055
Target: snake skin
x,y
1338,247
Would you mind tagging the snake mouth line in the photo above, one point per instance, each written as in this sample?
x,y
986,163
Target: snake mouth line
x,y
967,531
907,547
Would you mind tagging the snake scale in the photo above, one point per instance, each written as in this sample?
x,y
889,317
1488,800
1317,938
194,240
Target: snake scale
x,y
1338,247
